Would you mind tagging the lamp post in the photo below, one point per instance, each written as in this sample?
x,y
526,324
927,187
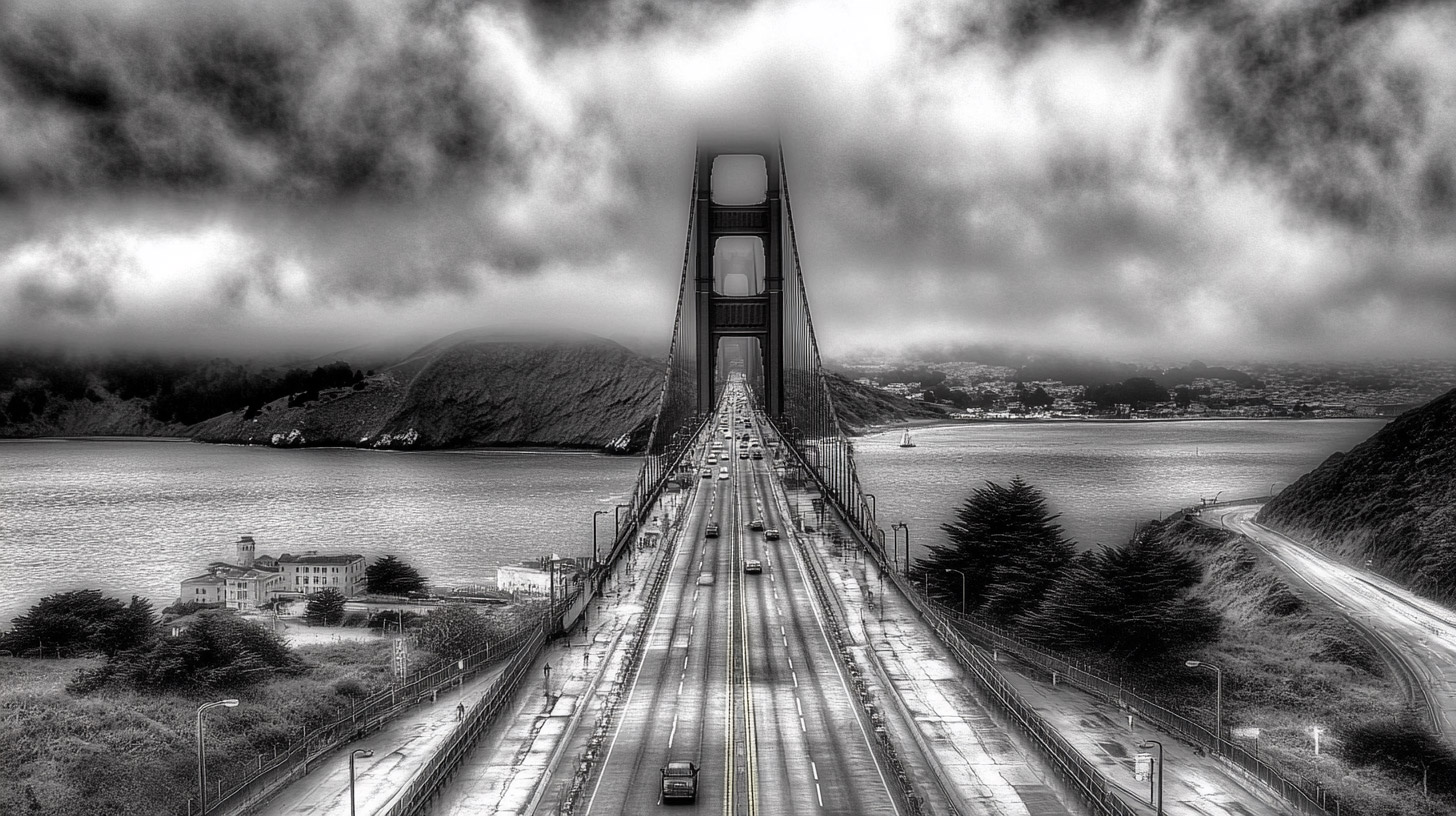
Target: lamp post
x,y
962,574
903,526
1159,770
363,752
1217,700
595,559
202,750
547,671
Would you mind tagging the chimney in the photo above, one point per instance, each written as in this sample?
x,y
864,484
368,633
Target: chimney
x,y
245,551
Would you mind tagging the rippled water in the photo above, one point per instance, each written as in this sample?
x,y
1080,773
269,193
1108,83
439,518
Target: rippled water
x,y
139,516
1102,477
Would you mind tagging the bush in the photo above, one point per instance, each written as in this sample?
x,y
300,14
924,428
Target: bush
x,y
1403,747
350,687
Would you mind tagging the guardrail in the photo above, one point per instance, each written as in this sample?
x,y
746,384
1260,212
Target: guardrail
x,y
1305,794
302,755
415,795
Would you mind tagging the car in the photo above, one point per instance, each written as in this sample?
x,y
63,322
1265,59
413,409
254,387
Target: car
x,y
707,474
743,454
712,530
757,454
712,460
705,579
752,566
771,534
755,524
722,473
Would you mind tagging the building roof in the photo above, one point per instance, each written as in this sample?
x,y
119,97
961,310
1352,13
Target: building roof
x,y
314,558
205,578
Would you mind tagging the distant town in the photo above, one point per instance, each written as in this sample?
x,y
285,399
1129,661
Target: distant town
x,y
1078,389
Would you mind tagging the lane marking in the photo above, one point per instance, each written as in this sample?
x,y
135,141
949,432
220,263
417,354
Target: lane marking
x,y
812,766
673,736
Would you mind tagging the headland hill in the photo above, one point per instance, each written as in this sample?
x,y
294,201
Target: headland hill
x,y
480,389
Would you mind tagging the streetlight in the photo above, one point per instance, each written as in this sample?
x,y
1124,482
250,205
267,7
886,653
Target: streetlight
x,y
547,671
1218,700
1159,769
595,559
903,526
202,750
363,752
962,574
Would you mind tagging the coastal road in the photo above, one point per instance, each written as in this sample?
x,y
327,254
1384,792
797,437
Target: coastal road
x,y
738,674
1422,633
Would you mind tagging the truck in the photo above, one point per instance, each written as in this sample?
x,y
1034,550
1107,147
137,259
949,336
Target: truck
x,y
680,781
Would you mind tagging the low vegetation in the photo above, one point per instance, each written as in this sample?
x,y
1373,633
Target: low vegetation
x,y
113,730
1179,591
1290,667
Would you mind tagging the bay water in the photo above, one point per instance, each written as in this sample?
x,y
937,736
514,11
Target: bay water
x,y
137,516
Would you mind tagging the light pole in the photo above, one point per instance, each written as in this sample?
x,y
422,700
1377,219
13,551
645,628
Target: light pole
x,y
595,559
202,750
962,574
903,526
547,671
363,752
1159,769
1217,700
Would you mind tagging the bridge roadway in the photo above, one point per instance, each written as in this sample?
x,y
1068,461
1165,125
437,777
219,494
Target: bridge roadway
x,y
739,674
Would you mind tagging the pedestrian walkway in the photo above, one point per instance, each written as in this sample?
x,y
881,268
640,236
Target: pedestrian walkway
x,y
400,747
932,685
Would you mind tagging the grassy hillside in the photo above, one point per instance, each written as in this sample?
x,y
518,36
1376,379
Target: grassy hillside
x,y
1288,666
1392,500
124,752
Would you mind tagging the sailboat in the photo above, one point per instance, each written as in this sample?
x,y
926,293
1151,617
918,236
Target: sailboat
x,y
905,440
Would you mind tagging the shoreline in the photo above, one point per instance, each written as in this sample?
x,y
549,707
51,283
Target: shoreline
x,y
909,424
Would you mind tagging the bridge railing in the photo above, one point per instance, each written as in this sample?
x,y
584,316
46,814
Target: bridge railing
x,y
416,794
302,755
1304,794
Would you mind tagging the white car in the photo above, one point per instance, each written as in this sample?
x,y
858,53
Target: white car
x,y
722,473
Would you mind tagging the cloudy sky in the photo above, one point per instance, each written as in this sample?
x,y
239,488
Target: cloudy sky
x,y
1216,178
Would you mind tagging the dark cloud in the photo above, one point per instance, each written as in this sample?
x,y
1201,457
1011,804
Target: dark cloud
x,y
1312,93
314,101
1167,176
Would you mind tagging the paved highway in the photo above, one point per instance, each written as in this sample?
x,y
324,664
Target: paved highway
x,y
1423,633
739,675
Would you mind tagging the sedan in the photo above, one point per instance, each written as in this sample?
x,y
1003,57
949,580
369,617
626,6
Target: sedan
x,y
771,534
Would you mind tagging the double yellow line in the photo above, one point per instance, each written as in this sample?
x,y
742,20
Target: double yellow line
x,y
737,643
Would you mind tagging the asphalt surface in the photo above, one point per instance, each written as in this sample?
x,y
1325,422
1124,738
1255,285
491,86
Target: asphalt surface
x,y
739,675
1422,633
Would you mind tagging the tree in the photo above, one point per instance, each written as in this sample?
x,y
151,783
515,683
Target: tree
x,y
70,621
1130,601
325,607
130,628
391,576
217,650
1006,544
454,631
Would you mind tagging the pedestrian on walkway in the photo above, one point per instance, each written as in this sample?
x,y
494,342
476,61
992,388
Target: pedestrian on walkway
x,y
460,713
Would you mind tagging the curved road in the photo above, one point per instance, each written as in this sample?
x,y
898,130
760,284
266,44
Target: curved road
x,y
1421,632
739,675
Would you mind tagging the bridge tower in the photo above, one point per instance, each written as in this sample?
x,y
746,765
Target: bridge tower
x,y
760,315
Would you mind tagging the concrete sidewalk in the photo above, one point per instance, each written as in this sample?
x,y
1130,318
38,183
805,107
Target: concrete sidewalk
x,y
400,748
929,682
